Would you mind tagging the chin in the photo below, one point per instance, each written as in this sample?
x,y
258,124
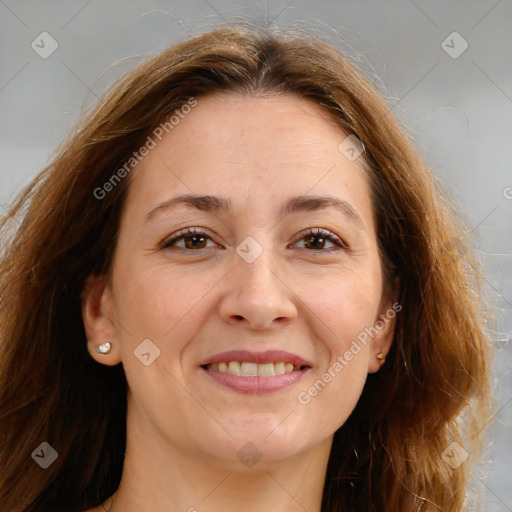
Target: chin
x,y
258,442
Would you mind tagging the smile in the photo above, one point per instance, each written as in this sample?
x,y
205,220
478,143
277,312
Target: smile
x,y
250,372
246,369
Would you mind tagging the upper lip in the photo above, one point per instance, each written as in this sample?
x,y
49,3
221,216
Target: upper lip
x,y
269,356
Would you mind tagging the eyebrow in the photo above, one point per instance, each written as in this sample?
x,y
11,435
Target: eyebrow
x,y
216,204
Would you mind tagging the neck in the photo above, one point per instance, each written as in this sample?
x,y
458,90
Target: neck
x,y
161,477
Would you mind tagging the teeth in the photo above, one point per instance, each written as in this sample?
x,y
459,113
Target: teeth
x,y
248,369
279,368
234,368
266,370
245,369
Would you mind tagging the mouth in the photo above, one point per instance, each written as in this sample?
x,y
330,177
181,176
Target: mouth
x,y
247,369
256,373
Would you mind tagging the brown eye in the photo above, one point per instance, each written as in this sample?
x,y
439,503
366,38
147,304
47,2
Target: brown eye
x,y
192,239
315,242
318,238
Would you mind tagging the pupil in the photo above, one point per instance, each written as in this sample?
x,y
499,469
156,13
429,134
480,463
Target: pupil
x,y
319,238
195,238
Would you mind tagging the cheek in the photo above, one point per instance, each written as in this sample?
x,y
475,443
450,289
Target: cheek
x,y
157,301
332,392
344,304
166,305
343,308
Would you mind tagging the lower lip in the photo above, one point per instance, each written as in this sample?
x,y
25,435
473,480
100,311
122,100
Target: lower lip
x,y
256,385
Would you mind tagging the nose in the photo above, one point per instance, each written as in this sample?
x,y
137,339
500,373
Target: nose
x,y
257,295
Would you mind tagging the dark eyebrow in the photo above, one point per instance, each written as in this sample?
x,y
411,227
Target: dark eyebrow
x,y
312,203
205,203
209,203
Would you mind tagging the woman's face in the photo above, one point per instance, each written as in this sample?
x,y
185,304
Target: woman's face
x,y
252,286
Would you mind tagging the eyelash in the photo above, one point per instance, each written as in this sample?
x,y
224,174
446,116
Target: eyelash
x,y
311,232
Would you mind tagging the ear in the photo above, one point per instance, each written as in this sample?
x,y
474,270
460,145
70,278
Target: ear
x,y
384,328
99,325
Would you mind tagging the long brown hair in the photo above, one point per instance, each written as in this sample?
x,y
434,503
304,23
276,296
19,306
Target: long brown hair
x,y
387,457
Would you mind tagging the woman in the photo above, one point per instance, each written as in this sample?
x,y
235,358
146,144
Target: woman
x,y
238,286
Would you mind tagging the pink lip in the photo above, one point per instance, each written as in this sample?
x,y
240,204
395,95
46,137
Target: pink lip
x,y
256,385
270,356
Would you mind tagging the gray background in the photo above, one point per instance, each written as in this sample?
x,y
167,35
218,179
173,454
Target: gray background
x,y
459,111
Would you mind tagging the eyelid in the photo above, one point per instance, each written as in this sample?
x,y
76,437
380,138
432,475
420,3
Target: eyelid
x,y
325,233
174,237
197,231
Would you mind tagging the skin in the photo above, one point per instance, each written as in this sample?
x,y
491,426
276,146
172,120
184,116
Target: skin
x,y
184,430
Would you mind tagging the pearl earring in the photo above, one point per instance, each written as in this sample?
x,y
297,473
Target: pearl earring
x,y
104,348
380,356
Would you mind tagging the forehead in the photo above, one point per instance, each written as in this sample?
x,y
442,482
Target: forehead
x,y
275,124
266,147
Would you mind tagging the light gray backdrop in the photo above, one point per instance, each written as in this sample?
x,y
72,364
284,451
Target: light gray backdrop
x,y
445,65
